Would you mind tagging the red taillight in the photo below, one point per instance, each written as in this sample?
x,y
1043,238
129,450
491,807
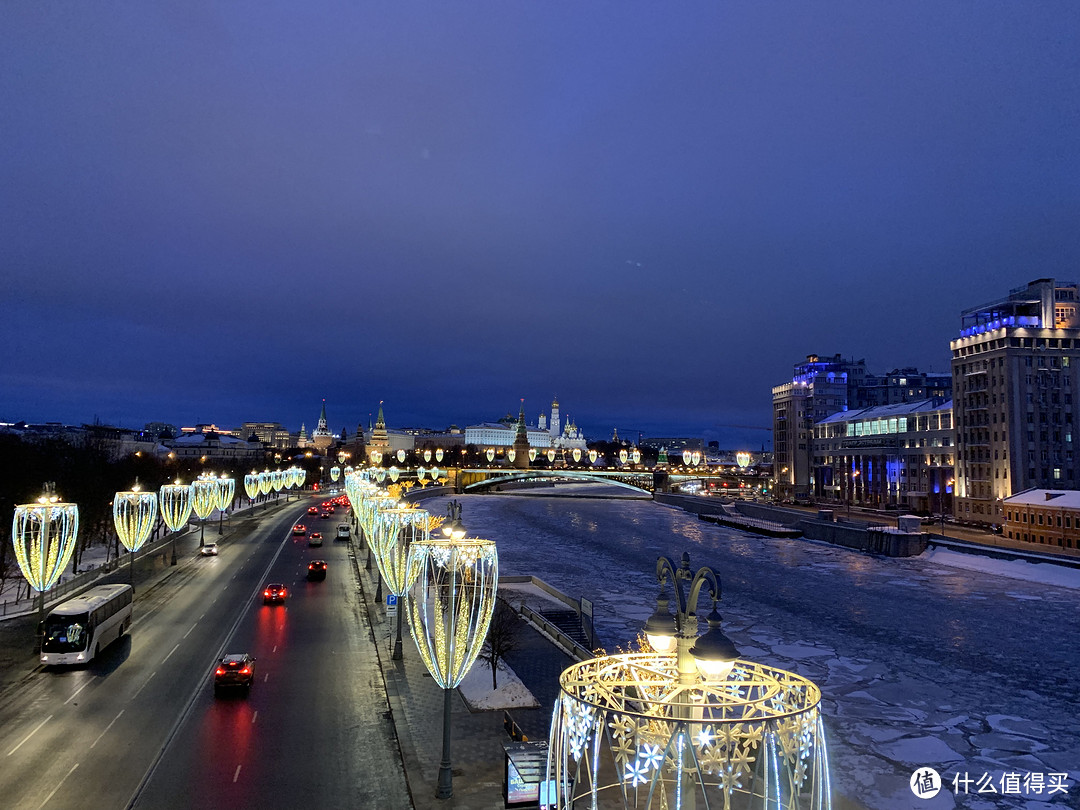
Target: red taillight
x,y
266,593
220,671
245,671
282,591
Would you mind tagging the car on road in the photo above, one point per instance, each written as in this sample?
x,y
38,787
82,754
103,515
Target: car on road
x,y
234,670
299,529
274,593
208,550
316,570
343,531
313,510
326,514
315,539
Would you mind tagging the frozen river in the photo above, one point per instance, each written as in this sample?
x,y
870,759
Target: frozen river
x,y
974,673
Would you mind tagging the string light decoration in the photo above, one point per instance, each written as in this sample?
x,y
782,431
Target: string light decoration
x,y
592,456
401,456
427,456
226,489
44,537
251,485
394,474
687,456
265,482
439,455
511,454
452,587
396,529
174,503
134,515
576,454
695,458
301,476
624,456
348,470
376,457
277,480
335,473
532,454
626,731
380,475
635,456
204,500
490,454
550,455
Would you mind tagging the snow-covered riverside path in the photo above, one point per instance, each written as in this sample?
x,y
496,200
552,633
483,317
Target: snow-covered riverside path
x,y
921,663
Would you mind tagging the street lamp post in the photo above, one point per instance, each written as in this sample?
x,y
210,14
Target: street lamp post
x,y
451,586
175,503
854,484
44,537
688,725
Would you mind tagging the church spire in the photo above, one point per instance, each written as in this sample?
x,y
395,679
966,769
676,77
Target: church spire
x,y
521,440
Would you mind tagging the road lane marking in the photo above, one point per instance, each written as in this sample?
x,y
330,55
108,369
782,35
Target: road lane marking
x,y
152,674
200,616
254,715
31,734
275,650
102,734
236,775
174,649
58,784
266,677
66,702
188,633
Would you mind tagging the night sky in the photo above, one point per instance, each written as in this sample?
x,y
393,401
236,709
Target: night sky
x,y
226,211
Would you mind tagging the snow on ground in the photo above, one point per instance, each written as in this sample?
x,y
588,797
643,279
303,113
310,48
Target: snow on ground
x,y
1046,573
511,693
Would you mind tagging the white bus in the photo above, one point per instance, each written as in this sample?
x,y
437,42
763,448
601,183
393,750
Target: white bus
x,y
75,631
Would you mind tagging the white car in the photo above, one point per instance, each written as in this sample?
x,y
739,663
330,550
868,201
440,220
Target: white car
x,y
343,531
209,550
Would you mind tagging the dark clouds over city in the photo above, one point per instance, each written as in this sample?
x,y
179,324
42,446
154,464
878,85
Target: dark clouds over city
x,y
228,211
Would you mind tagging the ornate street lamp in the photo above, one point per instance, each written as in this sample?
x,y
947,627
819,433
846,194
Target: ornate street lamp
x,y
134,514
175,503
452,586
226,488
395,530
44,537
689,725
204,500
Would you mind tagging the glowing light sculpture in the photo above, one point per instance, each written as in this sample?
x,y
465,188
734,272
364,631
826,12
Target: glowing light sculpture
x,y
532,454
376,457
335,473
277,480
592,456
624,456
204,500
624,727
490,454
401,456
134,514
226,488
44,536
687,456
251,486
427,456
742,459
695,458
301,477
576,454
551,455
266,483
395,530
635,456
439,455
394,474
174,502
452,588
511,455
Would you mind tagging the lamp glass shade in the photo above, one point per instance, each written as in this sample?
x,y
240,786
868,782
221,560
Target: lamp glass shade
x,y
662,643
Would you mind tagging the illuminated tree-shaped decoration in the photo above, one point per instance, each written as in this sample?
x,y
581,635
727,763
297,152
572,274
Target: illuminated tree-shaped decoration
x,y
687,457
371,501
380,475
511,454
635,456
435,472
695,458
349,469
134,515
394,474
576,454
395,530
532,454
490,454
226,489
376,457
624,456
427,456
251,486
439,454
627,732
551,455
592,456
301,477
401,456
335,473
266,482
452,586
420,473
44,537
277,480
204,500
174,501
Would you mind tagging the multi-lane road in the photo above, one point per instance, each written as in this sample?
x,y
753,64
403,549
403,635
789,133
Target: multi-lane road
x,y
141,727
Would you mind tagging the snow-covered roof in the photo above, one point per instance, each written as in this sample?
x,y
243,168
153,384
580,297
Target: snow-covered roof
x,y
1056,498
189,439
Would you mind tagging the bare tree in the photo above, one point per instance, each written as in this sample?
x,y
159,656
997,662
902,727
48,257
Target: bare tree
x,y
502,638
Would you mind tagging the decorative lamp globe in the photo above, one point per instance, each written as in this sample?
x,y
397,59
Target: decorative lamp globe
x,y
714,653
660,629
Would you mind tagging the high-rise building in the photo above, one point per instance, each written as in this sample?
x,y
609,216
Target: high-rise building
x,y
1014,389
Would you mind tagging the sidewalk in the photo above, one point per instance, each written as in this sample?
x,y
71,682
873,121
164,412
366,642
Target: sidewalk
x,y
416,708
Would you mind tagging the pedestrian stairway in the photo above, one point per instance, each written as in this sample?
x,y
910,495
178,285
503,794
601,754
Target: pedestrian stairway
x,y
568,622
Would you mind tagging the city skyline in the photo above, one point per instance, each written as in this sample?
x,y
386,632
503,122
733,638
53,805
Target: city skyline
x,y
227,213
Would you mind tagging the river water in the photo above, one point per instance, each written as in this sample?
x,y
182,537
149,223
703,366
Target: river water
x,y
973,673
